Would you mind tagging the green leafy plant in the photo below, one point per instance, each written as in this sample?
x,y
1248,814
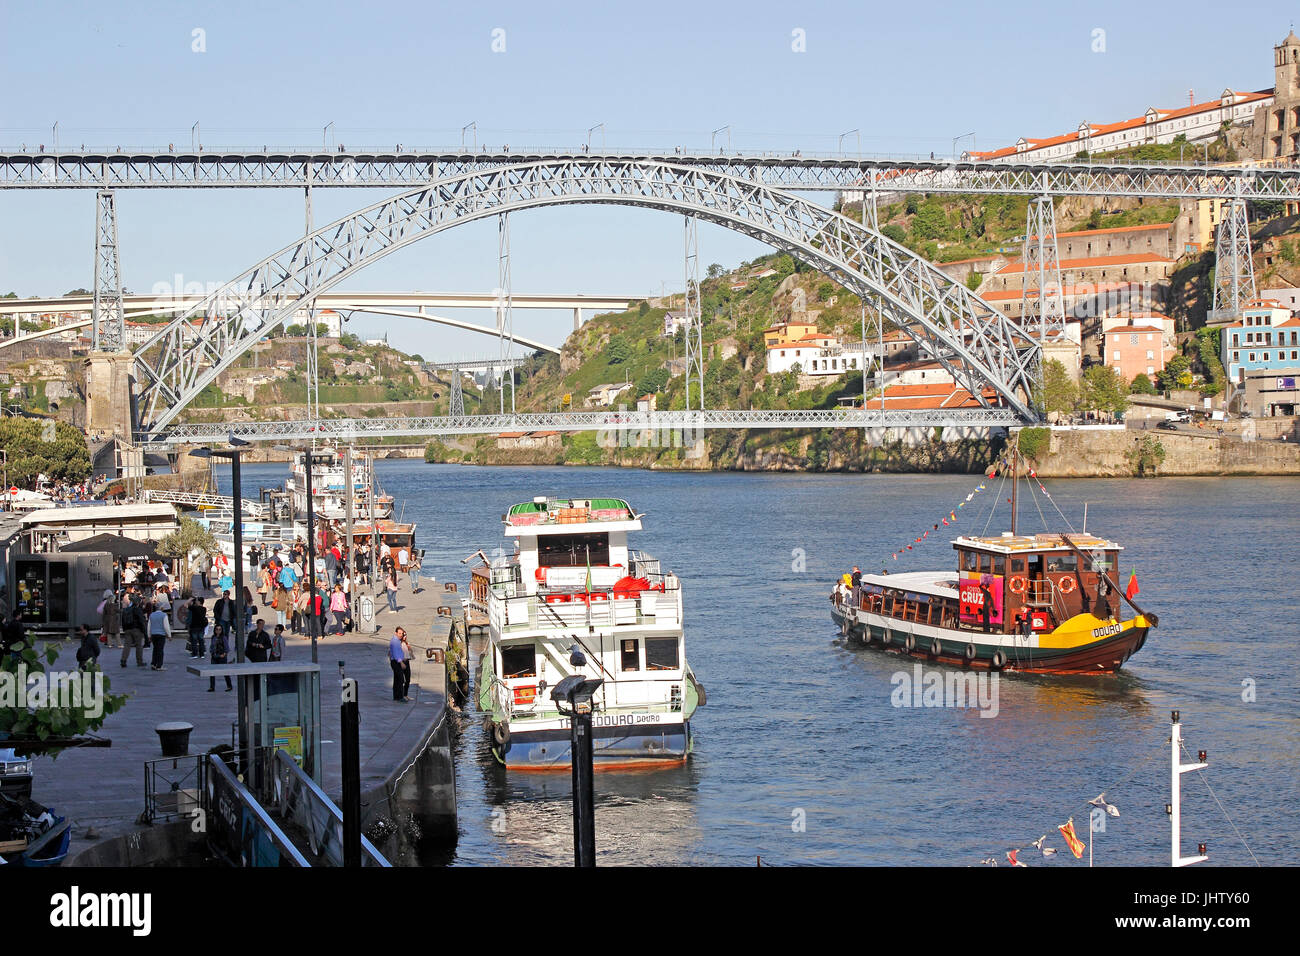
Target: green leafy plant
x,y
1034,442
45,720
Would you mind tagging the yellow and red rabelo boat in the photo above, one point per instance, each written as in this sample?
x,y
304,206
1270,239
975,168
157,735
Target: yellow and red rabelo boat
x,y
1034,603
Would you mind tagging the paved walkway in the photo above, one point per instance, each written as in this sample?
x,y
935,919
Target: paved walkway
x,y
104,787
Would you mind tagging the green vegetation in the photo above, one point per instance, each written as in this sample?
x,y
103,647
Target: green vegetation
x,y
1177,373
1145,457
1141,385
1103,390
35,446
1033,442
190,537
1059,393
43,720
436,451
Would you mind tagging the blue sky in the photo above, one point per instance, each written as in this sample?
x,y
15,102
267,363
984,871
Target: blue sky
x,y
909,76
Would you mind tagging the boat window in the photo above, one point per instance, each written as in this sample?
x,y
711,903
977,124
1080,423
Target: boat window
x,y
1017,565
986,563
999,564
661,654
971,562
572,550
1065,563
1103,561
519,661
629,658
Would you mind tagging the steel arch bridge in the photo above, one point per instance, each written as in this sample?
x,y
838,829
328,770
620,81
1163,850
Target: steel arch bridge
x,y
981,348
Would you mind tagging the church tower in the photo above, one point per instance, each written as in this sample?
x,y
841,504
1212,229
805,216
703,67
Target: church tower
x,y
1286,67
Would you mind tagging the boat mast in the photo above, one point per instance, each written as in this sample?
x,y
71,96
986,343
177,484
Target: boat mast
x,y
1015,482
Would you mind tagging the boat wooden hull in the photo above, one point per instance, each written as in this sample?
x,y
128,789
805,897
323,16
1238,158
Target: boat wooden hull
x,y
1105,655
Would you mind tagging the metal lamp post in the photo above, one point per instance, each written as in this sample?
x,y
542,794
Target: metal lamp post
x,y
237,498
308,457
575,692
237,527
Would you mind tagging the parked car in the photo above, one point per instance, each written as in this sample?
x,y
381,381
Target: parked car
x,y
1168,426
15,775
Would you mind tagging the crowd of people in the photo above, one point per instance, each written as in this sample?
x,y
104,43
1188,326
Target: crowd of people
x,y
151,606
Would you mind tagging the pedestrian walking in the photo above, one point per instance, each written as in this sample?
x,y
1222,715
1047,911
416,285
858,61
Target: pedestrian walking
x,y
417,558
133,630
198,626
257,648
220,655
110,619
160,629
390,587
338,609
399,661
88,651
277,643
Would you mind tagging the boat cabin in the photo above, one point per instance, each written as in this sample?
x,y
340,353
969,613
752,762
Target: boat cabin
x,y
1008,582
571,544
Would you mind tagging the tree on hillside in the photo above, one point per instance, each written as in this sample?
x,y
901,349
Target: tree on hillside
x,y
618,351
1059,393
1104,390
1177,373
714,270
894,233
40,446
1142,385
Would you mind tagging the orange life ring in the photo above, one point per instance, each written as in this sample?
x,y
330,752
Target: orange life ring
x,y
1017,584
1066,585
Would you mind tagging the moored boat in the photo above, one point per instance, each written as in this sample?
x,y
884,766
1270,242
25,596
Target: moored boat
x,y
575,600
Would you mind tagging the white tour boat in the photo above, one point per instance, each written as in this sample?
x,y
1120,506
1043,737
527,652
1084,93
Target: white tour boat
x,y
573,599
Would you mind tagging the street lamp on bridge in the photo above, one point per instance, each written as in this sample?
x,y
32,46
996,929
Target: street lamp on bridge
x,y
601,127
324,136
464,129
850,133
714,137
958,139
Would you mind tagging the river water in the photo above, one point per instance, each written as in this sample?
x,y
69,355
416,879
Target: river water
x,y
802,756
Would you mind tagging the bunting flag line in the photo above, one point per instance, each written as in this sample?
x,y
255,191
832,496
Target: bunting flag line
x,y
946,521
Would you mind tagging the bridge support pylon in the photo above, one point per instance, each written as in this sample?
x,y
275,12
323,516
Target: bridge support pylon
x,y
109,404
1234,269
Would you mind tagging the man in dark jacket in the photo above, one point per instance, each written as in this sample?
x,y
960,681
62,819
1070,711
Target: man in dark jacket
x,y
257,647
88,651
198,624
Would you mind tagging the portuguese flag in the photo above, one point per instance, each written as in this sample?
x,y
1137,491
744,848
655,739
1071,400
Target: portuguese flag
x,y
1132,590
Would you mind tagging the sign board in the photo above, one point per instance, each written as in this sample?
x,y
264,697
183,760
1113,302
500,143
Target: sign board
x,y
1286,384
289,739
980,593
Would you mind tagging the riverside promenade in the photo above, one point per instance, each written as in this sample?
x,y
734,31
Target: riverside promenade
x,y
103,788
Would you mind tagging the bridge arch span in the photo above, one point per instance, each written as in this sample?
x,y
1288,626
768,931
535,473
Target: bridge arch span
x,y
979,346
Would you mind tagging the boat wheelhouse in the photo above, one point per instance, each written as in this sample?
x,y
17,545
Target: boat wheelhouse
x,y
574,599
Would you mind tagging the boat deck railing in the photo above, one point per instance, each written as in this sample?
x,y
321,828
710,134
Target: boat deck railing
x,y
541,707
567,610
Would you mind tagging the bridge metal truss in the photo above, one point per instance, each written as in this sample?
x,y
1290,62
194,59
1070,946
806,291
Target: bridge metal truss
x,y
979,346
687,423
368,169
